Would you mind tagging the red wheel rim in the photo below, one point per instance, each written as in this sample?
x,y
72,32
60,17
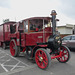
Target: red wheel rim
x,y
64,54
12,48
41,59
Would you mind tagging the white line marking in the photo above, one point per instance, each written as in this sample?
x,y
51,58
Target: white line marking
x,y
2,56
4,68
15,58
6,61
15,66
18,60
51,73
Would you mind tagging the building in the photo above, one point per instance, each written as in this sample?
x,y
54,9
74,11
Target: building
x,y
65,29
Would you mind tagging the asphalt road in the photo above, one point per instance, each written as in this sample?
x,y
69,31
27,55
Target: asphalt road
x,y
22,66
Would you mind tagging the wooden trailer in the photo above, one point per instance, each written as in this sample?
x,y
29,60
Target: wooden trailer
x,y
4,34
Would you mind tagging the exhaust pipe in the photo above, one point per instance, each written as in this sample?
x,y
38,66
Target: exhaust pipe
x,y
53,14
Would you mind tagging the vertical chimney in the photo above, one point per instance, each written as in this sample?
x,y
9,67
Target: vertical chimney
x,y
53,14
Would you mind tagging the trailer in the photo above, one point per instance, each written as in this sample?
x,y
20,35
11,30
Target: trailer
x,y
4,34
37,36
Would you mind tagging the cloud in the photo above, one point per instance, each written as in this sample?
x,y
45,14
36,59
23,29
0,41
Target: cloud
x,y
68,8
63,19
30,8
5,3
6,13
21,9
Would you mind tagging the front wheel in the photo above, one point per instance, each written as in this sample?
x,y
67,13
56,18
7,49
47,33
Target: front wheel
x,y
42,58
14,50
65,54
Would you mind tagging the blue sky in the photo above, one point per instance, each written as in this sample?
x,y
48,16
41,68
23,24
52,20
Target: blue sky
x,y
21,9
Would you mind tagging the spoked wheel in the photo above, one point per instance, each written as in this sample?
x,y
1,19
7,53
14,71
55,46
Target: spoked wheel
x,y
13,48
42,58
65,54
4,46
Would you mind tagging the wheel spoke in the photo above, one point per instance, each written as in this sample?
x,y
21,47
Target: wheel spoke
x,y
45,62
42,54
65,58
44,57
37,58
61,59
41,64
39,54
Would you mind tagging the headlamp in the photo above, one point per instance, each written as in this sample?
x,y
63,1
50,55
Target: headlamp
x,y
57,38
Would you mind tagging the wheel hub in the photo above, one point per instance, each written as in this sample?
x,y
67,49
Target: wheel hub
x,y
41,59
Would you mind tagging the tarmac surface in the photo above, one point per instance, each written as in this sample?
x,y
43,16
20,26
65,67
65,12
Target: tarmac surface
x,y
10,63
22,66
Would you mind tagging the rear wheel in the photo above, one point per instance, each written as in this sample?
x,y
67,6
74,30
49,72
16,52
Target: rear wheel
x,y
14,50
65,54
42,58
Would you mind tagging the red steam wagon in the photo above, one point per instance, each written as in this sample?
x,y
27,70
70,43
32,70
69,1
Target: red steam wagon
x,y
4,34
38,37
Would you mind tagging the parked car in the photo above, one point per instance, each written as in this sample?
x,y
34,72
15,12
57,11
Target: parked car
x,y
69,41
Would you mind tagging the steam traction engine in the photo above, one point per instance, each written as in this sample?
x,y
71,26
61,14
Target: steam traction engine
x,y
39,40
